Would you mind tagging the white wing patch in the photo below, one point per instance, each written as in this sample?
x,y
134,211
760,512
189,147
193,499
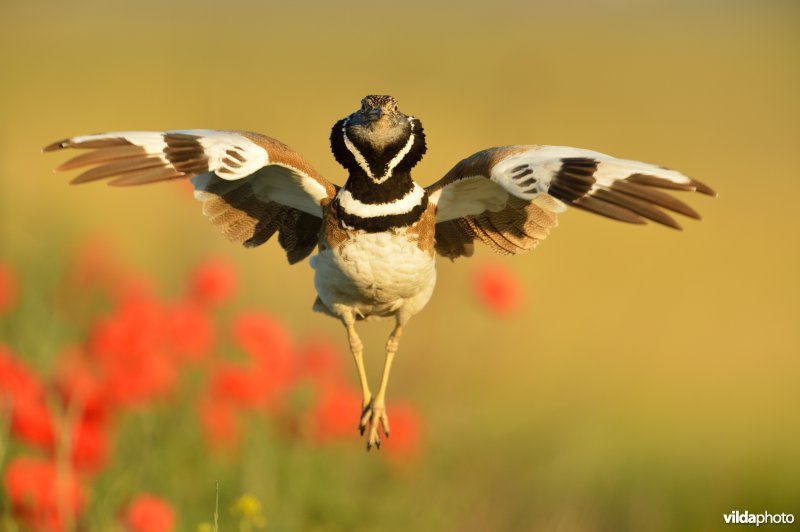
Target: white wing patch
x,y
617,188
526,167
311,186
530,173
280,184
212,157
611,169
230,155
467,197
272,183
151,141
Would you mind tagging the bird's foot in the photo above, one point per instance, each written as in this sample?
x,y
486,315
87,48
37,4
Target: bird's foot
x,y
373,416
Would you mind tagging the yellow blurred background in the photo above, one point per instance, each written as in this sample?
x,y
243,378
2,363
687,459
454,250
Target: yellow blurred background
x,y
650,381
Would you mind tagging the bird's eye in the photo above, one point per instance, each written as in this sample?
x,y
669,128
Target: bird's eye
x,y
364,107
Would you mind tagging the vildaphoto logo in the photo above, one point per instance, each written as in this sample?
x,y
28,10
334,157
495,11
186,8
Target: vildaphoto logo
x,y
746,518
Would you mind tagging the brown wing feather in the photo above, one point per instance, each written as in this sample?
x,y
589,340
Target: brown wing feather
x,y
452,241
280,153
232,205
517,228
477,164
531,181
246,219
146,157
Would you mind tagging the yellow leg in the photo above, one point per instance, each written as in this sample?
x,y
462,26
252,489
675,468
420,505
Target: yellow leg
x,y
375,414
357,349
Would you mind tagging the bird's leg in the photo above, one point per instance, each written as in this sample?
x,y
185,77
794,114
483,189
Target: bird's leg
x,y
357,349
375,415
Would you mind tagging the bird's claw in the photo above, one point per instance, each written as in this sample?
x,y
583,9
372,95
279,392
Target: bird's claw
x,y
366,414
374,416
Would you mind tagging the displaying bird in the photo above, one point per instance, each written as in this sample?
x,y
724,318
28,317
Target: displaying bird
x,y
377,236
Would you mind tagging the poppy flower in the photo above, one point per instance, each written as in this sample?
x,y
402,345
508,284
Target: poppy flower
x,y
8,289
190,332
15,378
134,381
38,494
332,416
320,363
80,385
240,385
219,422
406,429
267,343
24,393
134,328
147,513
130,352
31,421
90,447
498,289
133,288
213,282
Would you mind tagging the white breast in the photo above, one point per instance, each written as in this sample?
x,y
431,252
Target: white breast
x,y
376,274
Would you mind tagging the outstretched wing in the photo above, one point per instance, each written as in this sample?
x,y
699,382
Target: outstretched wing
x,y
509,197
250,185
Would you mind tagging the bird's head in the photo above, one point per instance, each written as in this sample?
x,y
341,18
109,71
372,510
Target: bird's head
x,y
378,138
378,123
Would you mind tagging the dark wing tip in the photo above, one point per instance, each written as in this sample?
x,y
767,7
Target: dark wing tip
x,y
61,144
608,210
78,180
703,188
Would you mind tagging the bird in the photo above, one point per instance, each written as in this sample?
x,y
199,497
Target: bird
x,y
377,237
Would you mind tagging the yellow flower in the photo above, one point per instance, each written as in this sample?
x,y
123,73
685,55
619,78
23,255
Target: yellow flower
x,y
247,506
248,509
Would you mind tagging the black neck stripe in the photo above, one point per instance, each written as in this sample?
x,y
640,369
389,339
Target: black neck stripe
x,y
376,224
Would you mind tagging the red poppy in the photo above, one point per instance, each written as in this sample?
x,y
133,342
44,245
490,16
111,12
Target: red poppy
x,y
190,331
135,328
334,416
219,423
134,289
8,288
89,446
135,380
129,350
15,378
498,289
80,385
38,494
321,363
31,421
259,333
22,391
240,385
213,282
405,432
267,343
147,513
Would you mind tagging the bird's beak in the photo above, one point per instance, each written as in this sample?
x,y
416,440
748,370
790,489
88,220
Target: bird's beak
x,y
375,113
